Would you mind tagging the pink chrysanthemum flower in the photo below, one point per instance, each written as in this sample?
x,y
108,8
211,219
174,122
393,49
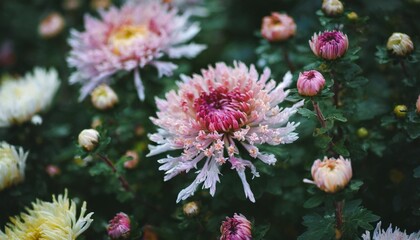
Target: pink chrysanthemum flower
x,y
329,45
380,234
310,83
236,228
129,38
119,227
217,112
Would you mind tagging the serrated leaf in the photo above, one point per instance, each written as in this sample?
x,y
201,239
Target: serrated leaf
x,y
314,201
306,112
355,185
260,231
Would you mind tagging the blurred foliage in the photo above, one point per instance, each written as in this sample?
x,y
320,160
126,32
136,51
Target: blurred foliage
x,y
385,154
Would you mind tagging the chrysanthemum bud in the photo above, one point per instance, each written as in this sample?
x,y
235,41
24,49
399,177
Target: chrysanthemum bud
x,y
100,4
51,25
149,233
331,175
71,5
332,7
362,132
130,164
103,97
237,227
400,111
191,209
352,16
278,27
53,170
119,227
418,105
310,83
400,44
329,45
88,139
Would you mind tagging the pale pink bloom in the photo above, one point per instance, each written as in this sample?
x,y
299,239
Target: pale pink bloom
x,y
329,45
236,228
418,105
390,234
331,175
119,227
51,25
278,27
218,112
128,39
310,83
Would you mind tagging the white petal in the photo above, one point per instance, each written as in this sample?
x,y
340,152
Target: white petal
x,y
189,50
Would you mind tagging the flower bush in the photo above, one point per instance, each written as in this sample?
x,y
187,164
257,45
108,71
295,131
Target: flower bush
x,y
284,93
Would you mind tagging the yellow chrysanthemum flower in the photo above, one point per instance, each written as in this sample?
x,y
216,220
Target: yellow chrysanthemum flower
x,y
12,165
54,220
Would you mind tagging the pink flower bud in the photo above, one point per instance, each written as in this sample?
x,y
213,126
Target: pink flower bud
x,y
278,27
418,104
51,26
329,45
236,228
52,170
331,175
119,227
130,164
310,83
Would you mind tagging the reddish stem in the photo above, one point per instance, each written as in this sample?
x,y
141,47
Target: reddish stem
x,y
123,181
319,114
339,205
287,59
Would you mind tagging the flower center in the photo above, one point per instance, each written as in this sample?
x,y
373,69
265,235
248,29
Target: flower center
x,y
330,37
126,35
222,110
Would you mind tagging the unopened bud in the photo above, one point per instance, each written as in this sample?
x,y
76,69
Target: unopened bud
x,y
332,7
130,164
352,16
100,4
331,175
103,97
51,25
400,44
310,83
362,132
191,209
88,139
236,227
400,111
278,27
119,227
418,105
53,170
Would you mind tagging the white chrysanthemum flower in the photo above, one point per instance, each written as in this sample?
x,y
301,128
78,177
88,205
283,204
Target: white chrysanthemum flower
x,y
390,234
22,99
56,220
12,165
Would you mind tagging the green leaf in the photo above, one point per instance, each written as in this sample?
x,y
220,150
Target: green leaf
x,y
260,231
306,113
314,201
417,172
355,185
341,149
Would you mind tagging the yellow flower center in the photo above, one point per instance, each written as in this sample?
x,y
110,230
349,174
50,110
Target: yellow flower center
x,y
125,36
